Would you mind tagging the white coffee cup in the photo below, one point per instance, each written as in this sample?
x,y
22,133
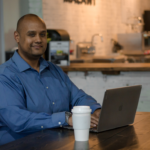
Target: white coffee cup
x,y
81,122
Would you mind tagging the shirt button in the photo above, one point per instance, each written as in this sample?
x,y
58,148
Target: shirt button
x,y
42,127
47,87
59,122
53,103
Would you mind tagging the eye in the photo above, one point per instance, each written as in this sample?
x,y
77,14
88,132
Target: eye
x,y
32,34
43,34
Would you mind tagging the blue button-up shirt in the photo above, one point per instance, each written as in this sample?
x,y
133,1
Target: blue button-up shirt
x,y
31,101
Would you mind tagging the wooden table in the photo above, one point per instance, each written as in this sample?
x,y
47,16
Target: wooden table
x,y
136,136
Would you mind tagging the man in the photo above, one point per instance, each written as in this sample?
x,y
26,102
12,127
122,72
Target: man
x,y
36,94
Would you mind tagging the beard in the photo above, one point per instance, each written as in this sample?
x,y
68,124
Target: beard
x,y
30,53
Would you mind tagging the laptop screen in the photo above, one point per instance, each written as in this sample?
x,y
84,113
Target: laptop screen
x,y
130,41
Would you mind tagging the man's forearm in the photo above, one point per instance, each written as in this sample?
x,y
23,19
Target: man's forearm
x,y
20,120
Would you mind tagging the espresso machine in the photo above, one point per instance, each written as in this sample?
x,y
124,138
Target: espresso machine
x,y
58,47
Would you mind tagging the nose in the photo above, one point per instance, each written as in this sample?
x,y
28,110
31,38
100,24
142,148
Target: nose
x,y
38,39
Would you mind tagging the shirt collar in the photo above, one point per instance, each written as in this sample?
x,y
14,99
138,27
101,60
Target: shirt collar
x,y
43,64
23,65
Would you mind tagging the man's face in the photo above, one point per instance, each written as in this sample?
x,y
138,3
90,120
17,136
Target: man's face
x,y
32,38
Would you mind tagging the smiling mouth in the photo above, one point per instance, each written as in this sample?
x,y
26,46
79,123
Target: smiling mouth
x,y
38,46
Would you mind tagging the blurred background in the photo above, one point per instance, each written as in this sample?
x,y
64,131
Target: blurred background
x,y
94,31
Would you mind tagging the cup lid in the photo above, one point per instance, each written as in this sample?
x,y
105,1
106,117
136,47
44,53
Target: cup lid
x,y
81,109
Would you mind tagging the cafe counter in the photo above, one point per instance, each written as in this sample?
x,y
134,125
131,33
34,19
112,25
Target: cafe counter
x,y
107,67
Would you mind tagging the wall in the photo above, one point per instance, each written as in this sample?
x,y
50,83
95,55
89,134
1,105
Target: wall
x,y
35,7
82,21
11,15
13,10
2,48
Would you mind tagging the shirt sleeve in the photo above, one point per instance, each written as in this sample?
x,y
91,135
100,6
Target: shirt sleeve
x,y
14,114
78,96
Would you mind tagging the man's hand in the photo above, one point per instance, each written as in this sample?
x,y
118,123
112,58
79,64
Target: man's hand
x,y
95,118
70,121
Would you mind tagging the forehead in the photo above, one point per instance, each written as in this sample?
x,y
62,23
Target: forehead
x,y
32,24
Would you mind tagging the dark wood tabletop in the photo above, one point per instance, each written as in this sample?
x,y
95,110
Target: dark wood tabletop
x,y
136,136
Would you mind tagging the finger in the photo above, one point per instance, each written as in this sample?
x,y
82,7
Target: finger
x,y
94,118
97,112
95,122
93,125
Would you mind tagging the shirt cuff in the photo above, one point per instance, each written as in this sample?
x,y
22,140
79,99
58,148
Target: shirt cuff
x,y
94,107
59,119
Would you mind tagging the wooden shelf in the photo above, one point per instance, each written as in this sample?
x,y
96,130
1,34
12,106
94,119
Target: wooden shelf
x,y
107,67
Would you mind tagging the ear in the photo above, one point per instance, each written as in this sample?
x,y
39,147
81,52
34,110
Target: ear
x,y
16,36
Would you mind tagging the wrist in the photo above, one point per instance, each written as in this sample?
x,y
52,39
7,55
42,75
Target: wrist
x,y
68,115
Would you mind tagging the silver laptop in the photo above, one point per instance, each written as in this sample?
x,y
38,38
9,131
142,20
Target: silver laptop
x,y
118,108
131,42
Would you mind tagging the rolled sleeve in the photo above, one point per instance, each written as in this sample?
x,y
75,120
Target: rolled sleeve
x,y
94,107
